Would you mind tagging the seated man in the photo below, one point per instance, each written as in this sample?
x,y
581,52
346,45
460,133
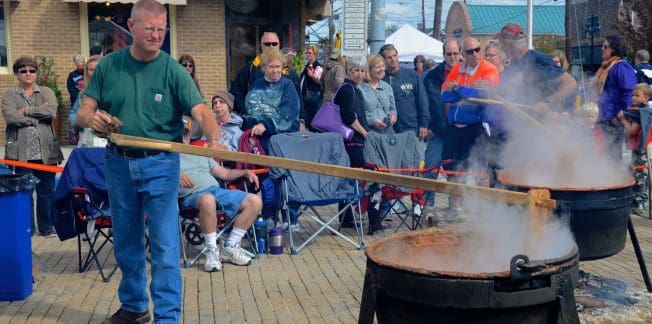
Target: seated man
x,y
200,190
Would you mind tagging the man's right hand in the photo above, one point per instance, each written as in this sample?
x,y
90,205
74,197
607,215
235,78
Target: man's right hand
x,y
101,122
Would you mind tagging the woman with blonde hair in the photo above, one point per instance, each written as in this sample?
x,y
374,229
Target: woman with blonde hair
x,y
559,58
272,103
379,106
312,91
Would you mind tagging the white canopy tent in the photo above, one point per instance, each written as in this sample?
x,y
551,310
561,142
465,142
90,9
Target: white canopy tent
x,y
410,42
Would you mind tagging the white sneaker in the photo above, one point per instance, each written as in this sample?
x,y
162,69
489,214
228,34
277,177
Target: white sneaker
x,y
235,255
212,261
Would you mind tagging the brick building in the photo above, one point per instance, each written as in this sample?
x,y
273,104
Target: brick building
x,y
608,13
484,21
221,35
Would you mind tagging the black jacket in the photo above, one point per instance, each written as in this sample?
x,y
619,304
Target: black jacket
x,y
411,100
432,82
349,98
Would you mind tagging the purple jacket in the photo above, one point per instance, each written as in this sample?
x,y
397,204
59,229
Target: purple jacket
x,y
617,92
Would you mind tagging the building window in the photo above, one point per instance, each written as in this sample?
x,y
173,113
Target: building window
x,y
4,58
107,27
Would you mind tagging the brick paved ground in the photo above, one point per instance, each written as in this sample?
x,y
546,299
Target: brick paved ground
x,y
322,284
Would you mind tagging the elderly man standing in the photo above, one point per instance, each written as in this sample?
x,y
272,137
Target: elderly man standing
x,y
432,83
643,67
409,95
148,91
252,71
464,118
532,77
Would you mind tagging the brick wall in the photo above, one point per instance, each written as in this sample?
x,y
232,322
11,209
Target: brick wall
x,y
51,28
607,10
45,27
200,33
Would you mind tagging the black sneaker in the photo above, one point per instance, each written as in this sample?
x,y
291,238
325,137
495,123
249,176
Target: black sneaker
x,y
126,317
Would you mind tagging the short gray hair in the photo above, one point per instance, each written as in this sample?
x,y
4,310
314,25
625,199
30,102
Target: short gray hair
x,y
642,55
357,62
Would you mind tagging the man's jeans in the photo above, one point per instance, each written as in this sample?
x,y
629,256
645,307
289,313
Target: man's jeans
x,y
432,158
144,191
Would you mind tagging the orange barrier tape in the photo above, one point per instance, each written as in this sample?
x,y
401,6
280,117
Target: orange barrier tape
x,y
259,171
34,166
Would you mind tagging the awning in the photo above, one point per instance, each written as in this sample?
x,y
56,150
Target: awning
x,y
170,2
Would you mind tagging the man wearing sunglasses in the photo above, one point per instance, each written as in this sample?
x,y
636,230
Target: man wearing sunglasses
x,y
252,71
533,73
432,82
470,78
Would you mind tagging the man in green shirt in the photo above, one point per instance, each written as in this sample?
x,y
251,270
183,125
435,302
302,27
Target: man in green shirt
x,y
149,92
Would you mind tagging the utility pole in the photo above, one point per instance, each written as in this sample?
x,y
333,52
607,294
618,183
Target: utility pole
x,y
436,27
377,39
331,29
423,16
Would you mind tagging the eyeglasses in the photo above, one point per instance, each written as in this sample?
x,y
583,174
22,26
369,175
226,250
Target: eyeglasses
x,y
473,50
605,46
152,30
187,64
452,54
270,44
32,71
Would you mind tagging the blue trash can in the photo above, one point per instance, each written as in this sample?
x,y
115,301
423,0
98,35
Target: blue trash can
x,y
15,236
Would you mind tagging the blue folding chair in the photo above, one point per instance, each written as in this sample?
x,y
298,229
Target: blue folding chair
x,y
307,191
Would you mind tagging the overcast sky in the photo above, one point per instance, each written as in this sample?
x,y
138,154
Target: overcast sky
x,y
401,12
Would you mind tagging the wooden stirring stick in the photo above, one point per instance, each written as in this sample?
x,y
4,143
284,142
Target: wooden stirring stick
x,y
508,197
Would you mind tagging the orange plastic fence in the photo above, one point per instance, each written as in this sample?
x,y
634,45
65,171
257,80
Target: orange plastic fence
x,y
34,166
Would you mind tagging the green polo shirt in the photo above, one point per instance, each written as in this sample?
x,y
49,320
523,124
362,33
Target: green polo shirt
x,y
149,98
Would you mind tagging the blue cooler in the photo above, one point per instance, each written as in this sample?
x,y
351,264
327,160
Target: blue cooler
x,y
15,236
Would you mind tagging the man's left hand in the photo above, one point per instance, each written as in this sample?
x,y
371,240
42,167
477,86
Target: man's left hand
x,y
252,178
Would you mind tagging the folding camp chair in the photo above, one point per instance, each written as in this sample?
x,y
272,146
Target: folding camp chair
x,y
93,227
80,209
397,153
308,191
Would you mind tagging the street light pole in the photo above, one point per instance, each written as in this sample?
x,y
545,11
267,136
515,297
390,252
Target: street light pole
x,y
591,30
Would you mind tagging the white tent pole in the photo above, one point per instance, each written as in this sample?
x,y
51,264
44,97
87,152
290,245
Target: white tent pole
x,y
530,9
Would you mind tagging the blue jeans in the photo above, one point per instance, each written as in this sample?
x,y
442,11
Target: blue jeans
x,y
144,190
44,197
432,158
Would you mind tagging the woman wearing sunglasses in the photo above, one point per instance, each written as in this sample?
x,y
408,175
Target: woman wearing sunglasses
x,y
28,110
188,63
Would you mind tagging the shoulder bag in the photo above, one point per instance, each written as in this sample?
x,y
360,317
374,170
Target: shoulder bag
x,y
328,119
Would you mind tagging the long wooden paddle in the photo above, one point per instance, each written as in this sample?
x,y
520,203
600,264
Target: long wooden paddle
x,y
509,197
